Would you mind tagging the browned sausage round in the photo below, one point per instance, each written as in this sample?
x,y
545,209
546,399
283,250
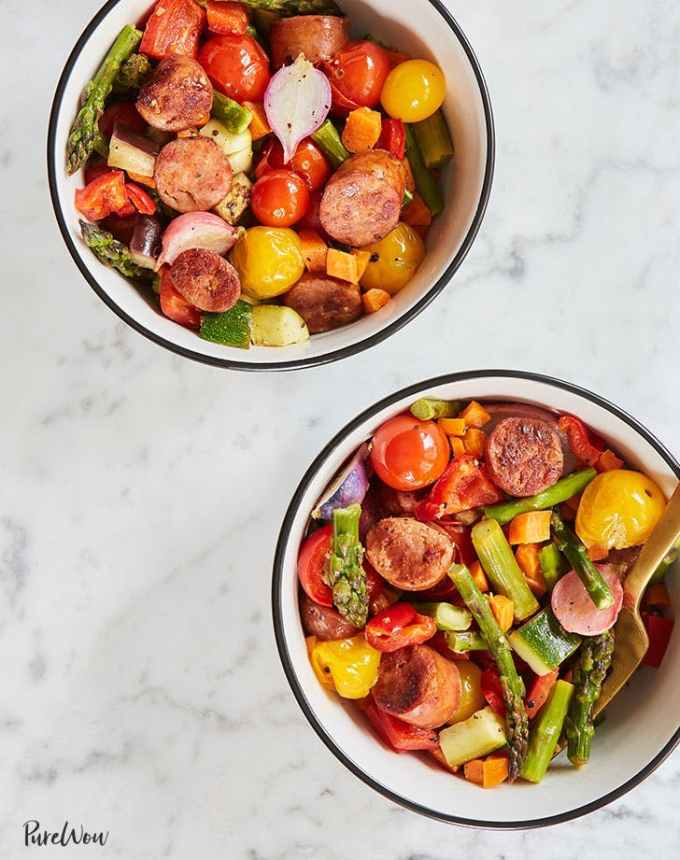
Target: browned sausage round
x,y
409,554
324,303
192,174
318,37
178,96
524,455
206,280
323,622
419,686
362,200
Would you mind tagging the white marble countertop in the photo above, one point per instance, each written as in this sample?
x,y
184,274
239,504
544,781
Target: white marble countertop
x,y
141,495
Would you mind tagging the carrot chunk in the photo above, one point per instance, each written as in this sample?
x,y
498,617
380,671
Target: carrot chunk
x,y
475,442
417,213
340,264
477,573
363,259
457,446
453,426
608,461
503,609
259,127
375,299
527,558
532,527
314,250
475,414
362,130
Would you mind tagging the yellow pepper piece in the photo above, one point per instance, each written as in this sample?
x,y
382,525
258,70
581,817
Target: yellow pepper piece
x,y
349,665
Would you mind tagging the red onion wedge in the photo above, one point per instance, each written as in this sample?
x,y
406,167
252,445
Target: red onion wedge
x,y
350,486
297,102
145,245
197,230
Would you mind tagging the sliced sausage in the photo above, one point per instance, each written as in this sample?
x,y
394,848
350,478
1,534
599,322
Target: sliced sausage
x,y
323,622
206,280
318,37
513,409
524,456
396,503
574,608
178,96
192,174
419,686
409,554
362,200
324,303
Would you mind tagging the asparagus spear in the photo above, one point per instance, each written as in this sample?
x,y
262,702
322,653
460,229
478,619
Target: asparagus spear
x,y
511,683
568,543
428,408
553,564
233,116
113,253
85,134
329,140
564,489
347,577
546,732
132,74
288,8
424,179
434,140
594,659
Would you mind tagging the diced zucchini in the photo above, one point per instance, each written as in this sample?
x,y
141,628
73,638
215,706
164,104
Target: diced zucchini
x,y
274,325
434,140
543,643
479,735
446,615
237,147
231,328
234,117
469,640
232,207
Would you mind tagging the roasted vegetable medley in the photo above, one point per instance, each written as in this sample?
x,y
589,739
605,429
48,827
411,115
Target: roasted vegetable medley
x,y
268,173
462,577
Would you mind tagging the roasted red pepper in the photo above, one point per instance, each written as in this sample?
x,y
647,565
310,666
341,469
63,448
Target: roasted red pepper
x,y
174,28
175,306
492,690
143,202
227,18
393,138
659,630
398,626
539,691
121,113
397,734
584,446
463,486
106,195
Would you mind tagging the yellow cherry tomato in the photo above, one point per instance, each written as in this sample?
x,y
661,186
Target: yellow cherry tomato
x,y
414,90
394,260
619,509
349,665
471,696
269,261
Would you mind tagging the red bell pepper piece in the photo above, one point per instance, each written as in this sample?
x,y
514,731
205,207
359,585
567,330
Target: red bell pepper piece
x,y
143,202
121,113
227,18
106,195
584,446
463,486
174,28
492,690
393,138
312,565
539,692
659,630
398,626
397,734
175,306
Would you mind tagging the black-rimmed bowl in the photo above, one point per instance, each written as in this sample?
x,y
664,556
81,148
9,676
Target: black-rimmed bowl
x,y
642,725
432,33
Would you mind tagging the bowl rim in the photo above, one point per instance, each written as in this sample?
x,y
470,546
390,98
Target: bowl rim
x,y
312,361
277,585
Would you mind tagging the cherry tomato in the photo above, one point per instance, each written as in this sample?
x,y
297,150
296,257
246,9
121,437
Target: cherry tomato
x,y
280,199
311,565
308,162
237,66
124,113
175,306
357,75
414,91
409,454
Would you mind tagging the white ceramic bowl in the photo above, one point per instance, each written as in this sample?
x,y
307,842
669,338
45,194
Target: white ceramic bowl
x,y
468,184
642,725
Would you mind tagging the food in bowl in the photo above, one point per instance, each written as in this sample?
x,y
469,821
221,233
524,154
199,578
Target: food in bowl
x,y
461,579
269,176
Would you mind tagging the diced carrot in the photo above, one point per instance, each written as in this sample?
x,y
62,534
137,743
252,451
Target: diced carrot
x,y
375,299
363,259
477,573
495,770
259,127
597,553
532,527
474,771
457,446
314,250
452,426
503,609
417,213
475,414
340,264
362,130
409,181
608,461
475,442
142,180
527,558
657,596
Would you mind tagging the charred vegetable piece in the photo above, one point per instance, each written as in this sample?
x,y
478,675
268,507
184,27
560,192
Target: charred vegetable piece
x,y
288,8
85,136
233,116
237,200
594,660
346,573
428,408
145,245
113,253
132,74
546,732
577,555
564,489
424,178
231,328
434,140
350,487
132,152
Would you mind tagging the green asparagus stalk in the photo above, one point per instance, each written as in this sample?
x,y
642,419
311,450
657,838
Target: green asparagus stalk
x,y
500,565
328,138
289,8
85,134
577,555
113,253
426,182
546,731
666,564
594,659
347,577
564,489
132,74
447,616
434,140
429,408
553,564
468,640
233,116
511,683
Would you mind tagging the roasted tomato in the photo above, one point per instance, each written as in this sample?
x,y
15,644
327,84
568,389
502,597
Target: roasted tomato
x,y
398,626
103,196
397,734
414,91
409,454
584,445
174,28
308,162
280,198
237,66
124,113
463,486
174,306
357,75
312,564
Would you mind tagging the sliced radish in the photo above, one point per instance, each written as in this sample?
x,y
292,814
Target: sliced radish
x,y
575,609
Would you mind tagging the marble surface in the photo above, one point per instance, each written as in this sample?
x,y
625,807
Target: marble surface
x,y
141,495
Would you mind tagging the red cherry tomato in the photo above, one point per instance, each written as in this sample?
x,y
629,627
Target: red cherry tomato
x,y
409,454
311,565
280,199
308,162
175,306
357,75
237,66
124,113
